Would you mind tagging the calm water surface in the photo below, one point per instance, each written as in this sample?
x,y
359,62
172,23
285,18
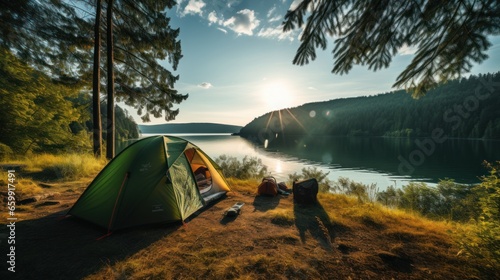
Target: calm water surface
x,y
383,161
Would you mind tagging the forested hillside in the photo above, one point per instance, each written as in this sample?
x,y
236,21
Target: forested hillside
x,y
465,108
126,127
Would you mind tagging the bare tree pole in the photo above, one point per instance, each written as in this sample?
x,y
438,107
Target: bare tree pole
x,y
96,87
110,138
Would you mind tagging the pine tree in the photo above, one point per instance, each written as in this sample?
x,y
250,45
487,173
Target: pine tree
x,y
143,39
50,35
110,138
53,36
96,85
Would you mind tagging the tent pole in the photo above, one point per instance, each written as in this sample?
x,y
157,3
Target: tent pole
x,y
127,175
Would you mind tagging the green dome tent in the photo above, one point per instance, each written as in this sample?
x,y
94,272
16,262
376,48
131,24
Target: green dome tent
x,y
154,180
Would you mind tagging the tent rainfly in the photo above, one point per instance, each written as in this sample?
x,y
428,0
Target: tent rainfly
x,y
157,179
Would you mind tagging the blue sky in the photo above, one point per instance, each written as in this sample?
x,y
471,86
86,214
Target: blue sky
x,y
237,64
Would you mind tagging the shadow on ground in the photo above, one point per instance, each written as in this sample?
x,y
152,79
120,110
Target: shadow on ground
x,y
265,203
315,220
54,247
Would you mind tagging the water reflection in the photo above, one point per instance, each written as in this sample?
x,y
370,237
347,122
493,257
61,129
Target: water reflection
x,y
418,158
384,161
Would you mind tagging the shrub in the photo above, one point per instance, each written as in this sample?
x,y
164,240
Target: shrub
x,y
484,242
419,197
458,202
364,193
247,168
448,200
5,152
391,197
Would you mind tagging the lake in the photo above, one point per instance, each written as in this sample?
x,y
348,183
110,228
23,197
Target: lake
x,y
383,161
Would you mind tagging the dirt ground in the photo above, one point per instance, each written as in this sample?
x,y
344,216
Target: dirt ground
x,y
258,244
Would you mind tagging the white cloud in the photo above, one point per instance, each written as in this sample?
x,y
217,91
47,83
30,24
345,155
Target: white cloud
x,y
271,15
194,7
276,33
244,22
407,50
276,18
212,18
271,11
222,29
205,85
232,3
294,4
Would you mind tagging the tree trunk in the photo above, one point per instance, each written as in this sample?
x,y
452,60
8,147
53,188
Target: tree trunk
x,y
110,148
96,87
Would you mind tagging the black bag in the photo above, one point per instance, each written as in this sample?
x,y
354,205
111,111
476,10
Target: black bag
x,y
305,192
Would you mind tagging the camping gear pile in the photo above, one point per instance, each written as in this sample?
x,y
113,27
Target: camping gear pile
x,y
304,192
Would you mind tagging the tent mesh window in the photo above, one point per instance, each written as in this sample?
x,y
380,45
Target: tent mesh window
x,y
200,170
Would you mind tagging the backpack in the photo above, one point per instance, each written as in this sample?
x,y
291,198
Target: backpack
x,y
268,186
282,186
305,192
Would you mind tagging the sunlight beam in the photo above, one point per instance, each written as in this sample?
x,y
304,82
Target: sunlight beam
x,y
277,95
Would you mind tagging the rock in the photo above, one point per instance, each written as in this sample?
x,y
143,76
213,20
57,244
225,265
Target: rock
x,y
35,198
48,203
45,186
398,263
27,201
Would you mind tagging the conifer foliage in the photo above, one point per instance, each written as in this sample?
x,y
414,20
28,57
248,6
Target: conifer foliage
x,y
49,35
449,36
57,38
143,38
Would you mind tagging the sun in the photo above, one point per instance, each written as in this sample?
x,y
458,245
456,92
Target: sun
x,y
277,95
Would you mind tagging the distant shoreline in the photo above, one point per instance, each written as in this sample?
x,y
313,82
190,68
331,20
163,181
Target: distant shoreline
x,y
188,134
189,128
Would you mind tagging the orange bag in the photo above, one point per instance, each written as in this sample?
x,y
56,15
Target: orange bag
x,y
268,186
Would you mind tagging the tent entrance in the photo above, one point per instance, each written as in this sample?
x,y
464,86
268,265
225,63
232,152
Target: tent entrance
x,y
201,172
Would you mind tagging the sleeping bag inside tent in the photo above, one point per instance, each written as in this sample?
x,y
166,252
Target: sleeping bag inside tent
x,y
154,180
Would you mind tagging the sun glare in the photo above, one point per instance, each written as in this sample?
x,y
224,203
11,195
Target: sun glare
x,y
277,95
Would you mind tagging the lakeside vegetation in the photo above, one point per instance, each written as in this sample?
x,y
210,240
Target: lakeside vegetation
x,y
466,214
462,108
473,209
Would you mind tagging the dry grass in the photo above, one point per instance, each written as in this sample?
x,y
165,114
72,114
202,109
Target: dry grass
x,y
50,167
273,238
41,177
67,166
339,238
244,186
28,188
283,217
